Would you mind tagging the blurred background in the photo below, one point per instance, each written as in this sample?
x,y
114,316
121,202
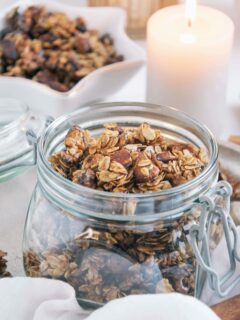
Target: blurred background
x,y
138,11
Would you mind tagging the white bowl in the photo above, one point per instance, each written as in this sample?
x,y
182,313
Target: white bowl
x,y
98,84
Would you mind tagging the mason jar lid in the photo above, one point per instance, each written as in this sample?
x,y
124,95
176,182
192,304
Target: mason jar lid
x,y
17,124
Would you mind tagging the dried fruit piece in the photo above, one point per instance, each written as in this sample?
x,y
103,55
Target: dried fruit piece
x,y
86,178
50,79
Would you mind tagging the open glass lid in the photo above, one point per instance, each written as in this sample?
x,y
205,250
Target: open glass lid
x,y
18,129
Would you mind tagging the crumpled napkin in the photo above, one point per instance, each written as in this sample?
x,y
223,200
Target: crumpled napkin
x,y
38,299
44,299
169,306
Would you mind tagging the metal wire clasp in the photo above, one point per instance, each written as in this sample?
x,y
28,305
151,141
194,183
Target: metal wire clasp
x,y
200,239
33,141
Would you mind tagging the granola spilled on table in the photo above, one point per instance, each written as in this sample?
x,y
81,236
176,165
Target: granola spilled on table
x,y
50,48
3,265
131,160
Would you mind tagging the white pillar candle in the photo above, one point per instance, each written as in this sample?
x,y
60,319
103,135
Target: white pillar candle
x,y
188,52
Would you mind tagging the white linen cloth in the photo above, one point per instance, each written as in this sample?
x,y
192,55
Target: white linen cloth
x,y
44,299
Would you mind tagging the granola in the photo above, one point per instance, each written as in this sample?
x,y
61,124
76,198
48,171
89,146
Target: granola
x,y
3,265
130,160
52,49
105,263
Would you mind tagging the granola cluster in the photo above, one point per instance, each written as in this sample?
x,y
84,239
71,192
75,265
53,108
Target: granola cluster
x,y
105,263
131,160
50,48
3,265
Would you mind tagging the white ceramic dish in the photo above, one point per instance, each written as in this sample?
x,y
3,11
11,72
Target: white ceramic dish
x,y
98,84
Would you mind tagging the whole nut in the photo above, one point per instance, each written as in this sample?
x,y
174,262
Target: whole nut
x,y
122,156
165,156
145,173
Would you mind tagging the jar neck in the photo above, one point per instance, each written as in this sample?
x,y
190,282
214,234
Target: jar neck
x,y
123,207
80,200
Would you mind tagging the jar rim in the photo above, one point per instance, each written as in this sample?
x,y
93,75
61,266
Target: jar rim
x,y
168,192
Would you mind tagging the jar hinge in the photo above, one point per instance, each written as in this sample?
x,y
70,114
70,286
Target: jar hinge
x,y
199,235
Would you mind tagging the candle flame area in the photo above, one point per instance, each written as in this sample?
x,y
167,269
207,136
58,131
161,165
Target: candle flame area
x,y
190,11
187,38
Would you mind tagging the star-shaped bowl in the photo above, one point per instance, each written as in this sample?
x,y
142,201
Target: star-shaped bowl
x,y
98,84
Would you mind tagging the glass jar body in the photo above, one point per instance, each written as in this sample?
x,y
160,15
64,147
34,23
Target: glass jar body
x,y
104,260
109,245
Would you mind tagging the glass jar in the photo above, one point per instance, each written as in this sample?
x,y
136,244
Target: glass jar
x,y
109,245
17,124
